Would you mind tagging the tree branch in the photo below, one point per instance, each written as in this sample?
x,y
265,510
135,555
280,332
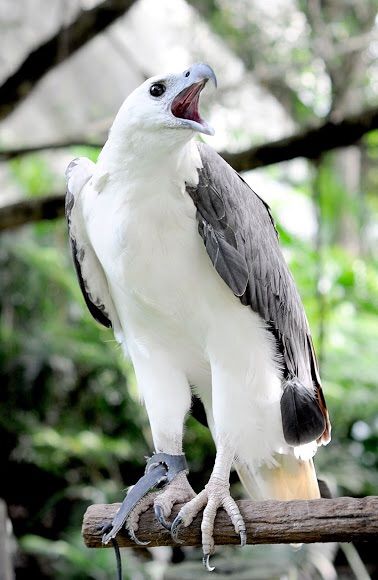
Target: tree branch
x,y
31,210
59,47
311,144
343,519
8,154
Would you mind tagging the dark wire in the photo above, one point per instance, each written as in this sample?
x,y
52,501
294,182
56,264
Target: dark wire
x,y
118,558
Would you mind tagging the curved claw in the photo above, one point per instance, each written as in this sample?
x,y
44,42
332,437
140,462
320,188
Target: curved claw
x,y
243,538
104,529
135,539
160,517
175,528
206,563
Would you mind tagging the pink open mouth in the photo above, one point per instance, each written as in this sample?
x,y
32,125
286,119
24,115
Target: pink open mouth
x,y
185,104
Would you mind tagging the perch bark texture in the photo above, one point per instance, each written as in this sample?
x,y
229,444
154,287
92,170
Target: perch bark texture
x,y
344,519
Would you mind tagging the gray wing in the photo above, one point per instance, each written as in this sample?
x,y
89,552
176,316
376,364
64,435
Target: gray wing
x,y
91,277
240,238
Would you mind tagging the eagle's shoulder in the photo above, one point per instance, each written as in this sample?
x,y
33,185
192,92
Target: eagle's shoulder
x,y
78,173
91,277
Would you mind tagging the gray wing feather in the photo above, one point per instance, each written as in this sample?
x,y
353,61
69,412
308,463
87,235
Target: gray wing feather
x,y
229,263
242,243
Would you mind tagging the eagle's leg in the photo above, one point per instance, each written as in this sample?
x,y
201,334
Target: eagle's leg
x,y
167,396
216,494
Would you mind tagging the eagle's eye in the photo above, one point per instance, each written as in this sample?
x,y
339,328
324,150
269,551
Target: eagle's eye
x,y
157,89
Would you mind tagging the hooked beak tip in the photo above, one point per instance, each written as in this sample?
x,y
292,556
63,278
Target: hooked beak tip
x,y
213,78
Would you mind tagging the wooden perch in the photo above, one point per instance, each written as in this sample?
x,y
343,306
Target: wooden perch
x,y
344,519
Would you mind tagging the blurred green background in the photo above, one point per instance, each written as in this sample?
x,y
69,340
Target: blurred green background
x,y
72,430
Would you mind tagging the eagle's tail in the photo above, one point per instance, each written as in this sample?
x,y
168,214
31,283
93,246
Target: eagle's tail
x,y
290,478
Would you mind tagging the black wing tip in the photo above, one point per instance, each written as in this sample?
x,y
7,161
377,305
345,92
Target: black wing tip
x,y
98,314
302,418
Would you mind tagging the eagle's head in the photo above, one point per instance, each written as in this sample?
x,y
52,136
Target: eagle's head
x,y
168,103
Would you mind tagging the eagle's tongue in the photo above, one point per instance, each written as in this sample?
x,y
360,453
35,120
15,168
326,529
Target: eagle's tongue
x,y
185,104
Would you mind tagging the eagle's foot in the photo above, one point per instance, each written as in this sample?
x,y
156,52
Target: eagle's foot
x,y
131,524
178,491
161,468
215,495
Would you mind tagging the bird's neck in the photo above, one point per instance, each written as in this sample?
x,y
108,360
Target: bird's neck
x,y
148,157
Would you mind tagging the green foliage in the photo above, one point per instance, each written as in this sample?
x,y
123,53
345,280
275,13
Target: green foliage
x,y
85,151
342,308
66,409
33,174
66,558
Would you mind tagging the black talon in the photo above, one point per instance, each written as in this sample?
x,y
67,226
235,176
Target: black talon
x,y
104,528
243,538
175,528
160,517
206,563
136,540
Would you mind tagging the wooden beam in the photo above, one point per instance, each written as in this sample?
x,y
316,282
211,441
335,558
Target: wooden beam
x,y
344,519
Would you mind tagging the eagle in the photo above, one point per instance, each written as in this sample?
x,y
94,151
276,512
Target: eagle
x,y
181,258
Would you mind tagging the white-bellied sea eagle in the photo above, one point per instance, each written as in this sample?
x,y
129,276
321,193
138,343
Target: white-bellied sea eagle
x,y
181,258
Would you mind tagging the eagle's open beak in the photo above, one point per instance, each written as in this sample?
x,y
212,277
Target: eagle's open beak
x,y
185,104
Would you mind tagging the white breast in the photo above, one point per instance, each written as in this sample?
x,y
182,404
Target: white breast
x,y
152,250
